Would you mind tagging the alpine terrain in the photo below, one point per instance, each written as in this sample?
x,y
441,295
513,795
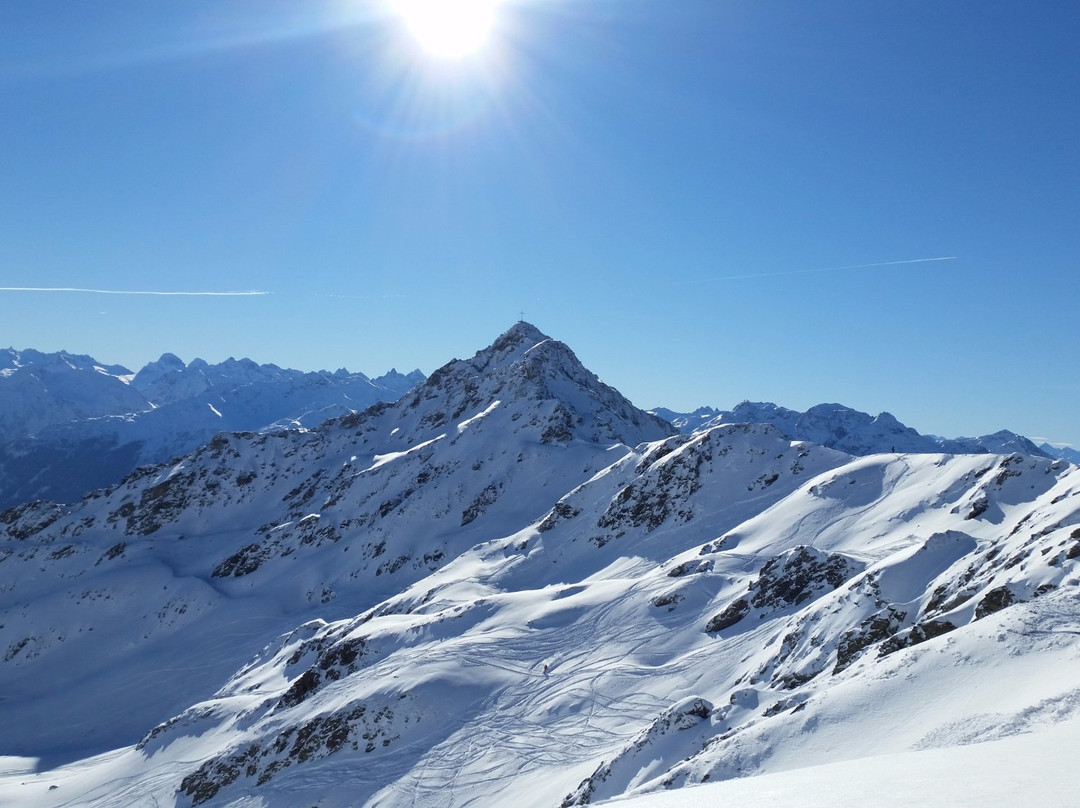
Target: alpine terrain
x,y
514,588
855,432
69,424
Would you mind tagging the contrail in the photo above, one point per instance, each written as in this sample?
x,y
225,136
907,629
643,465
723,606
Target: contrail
x,y
126,291
829,269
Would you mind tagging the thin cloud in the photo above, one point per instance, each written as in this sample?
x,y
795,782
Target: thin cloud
x,y
828,269
79,290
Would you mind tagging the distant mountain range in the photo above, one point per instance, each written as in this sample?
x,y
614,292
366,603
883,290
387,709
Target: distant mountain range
x,y
1061,452
69,424
857,433
513,587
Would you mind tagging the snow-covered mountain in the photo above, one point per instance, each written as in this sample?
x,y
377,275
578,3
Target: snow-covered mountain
x,y
254,387
849,430
512,587
71,425
38,390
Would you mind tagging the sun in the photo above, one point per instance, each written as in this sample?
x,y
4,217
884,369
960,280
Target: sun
x,y
448,29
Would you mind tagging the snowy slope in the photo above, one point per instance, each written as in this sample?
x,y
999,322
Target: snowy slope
x,y
513,588
1033,767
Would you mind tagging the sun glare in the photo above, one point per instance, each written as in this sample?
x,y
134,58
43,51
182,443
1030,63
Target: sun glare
x,y
448,29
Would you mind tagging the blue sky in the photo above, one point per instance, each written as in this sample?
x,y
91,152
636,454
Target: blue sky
x,y
669,187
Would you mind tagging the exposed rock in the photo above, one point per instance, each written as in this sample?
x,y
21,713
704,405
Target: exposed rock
x,y
685,715
796,576
920,632
24,521
994,601
729,617
561,512
877,627
359,728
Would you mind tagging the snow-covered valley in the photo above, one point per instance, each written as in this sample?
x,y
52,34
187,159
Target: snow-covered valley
x,y
512,587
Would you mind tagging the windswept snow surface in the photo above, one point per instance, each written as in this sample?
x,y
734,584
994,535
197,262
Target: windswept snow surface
x,y
1021,770
558,603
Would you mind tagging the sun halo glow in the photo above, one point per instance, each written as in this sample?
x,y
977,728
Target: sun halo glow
x,y
448,29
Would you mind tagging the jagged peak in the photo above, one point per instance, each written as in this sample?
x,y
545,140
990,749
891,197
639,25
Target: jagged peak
x,y
524,364
153,372
519,333
30,359
169,361
513,345
394,374
507,350
747,407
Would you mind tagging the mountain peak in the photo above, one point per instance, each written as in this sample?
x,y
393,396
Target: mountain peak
x,y
519,333
562,396
513,343
154,371
397,382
